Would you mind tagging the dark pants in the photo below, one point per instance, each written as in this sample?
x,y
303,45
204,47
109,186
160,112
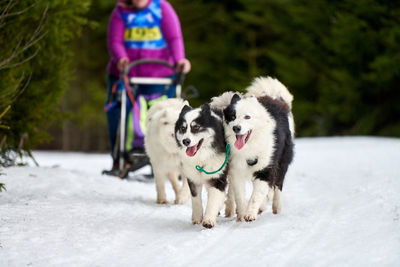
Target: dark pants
x,y
114,114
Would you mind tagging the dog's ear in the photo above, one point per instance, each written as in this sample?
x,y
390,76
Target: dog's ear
x,y
206,108
235,98
185,110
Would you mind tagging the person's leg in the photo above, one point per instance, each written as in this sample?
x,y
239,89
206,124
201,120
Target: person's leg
x,y
113,116
171,90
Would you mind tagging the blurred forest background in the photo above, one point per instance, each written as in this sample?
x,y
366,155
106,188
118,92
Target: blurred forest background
x,y
340,59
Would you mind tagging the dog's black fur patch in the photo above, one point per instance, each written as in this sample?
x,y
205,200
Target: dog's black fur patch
x,y
180,122
230,113
221,182
252,162
192,188
268,174
235,99
206,120
218,112
275,173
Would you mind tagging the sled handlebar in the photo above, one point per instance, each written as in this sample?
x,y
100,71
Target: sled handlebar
x,y
180,76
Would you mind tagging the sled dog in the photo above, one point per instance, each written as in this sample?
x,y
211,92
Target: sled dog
x,y
260,130
200,137
163,151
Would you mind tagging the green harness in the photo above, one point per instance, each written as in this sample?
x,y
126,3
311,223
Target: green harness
x,y
200,169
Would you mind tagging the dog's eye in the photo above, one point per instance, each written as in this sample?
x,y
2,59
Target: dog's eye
x,y
247,117
182,129
233,117
195,128
165,123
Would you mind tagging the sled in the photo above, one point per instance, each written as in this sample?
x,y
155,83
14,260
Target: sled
x,y
131,161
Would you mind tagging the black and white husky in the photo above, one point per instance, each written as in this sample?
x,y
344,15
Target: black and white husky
x,y
200,136
260,130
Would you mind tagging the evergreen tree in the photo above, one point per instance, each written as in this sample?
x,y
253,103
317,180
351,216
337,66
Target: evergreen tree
x,y
339,58
34,66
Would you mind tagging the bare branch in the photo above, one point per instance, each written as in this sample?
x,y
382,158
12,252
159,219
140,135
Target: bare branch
x,y
11,95
21,62
18,50
23,88
5,111
3,15
8,8
17,13
3,142
22,141
13,55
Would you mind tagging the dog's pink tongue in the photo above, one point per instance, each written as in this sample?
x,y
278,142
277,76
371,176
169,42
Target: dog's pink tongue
x,y
190,151
240,140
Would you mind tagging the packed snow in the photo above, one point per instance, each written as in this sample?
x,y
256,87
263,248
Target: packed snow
x,y
341,207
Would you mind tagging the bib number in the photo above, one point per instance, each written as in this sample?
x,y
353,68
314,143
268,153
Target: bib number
x,y
142,34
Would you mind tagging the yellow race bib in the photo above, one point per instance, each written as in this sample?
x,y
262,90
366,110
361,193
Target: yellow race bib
x,y
142,34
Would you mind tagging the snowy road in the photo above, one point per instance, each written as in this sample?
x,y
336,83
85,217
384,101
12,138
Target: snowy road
x,y
341,207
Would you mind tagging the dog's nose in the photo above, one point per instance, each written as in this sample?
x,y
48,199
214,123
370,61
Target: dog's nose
x,y
236,129
186,141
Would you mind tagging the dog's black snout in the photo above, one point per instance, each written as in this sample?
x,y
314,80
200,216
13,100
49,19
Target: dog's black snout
x,y
186,141
236,129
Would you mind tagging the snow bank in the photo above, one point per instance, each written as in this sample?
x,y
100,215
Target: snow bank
x,y
341,207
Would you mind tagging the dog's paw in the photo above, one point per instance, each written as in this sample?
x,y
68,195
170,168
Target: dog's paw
x,y
250,217
261,210
240,218
162,201
197,220
276,210
180,199
209,223
229,213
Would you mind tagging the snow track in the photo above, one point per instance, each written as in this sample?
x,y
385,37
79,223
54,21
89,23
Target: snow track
x,y
341,207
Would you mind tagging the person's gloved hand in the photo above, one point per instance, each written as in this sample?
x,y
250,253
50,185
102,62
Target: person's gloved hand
x,y
122,63
184,65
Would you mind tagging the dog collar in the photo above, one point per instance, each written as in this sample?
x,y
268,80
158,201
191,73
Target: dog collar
x,y
200,169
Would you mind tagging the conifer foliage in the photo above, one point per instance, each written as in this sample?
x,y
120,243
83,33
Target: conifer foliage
x,y
340,59
34,67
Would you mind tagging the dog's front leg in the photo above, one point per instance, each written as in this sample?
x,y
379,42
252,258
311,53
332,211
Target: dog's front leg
x,y
276,202
260,191
266,200
159,179
173,178
238,186
214,204
197,206
184,192
230,202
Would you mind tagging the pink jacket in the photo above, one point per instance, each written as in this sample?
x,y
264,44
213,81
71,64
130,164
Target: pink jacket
x,y
172,52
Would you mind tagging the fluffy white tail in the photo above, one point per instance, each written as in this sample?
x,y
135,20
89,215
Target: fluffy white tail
x,y
262,86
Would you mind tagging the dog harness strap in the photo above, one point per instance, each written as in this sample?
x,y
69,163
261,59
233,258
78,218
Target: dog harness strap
x,y
200,169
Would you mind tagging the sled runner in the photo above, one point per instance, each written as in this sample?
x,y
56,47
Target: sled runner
x,y
129,147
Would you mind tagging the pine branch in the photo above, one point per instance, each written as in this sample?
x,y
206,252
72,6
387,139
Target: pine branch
x,y
2,187
36,36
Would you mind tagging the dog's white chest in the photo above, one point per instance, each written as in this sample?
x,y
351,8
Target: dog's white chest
x,y
250,160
